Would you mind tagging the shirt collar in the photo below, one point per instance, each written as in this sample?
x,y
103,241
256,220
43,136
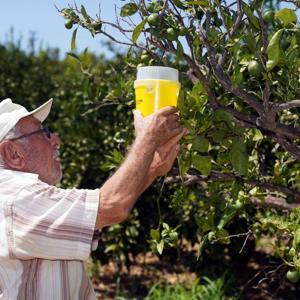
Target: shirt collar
x,y
13,173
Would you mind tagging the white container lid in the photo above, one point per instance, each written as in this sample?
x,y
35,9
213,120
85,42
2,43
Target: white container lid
x,y
154,72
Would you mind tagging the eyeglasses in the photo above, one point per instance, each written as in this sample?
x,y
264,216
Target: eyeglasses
x,y
44,130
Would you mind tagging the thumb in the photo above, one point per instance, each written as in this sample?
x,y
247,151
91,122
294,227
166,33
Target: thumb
x,y
137,115
173,154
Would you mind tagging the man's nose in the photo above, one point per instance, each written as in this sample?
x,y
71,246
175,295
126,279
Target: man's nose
x,y
55,140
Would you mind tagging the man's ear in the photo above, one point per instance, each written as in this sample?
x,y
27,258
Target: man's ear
x,y
12,155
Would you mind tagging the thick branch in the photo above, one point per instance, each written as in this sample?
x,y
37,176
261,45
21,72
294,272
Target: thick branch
x,y
218,176
288,105
273,202
268,202
288,146
267,118
225,81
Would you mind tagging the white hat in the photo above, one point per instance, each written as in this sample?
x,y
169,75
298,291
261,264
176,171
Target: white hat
x,y
11,113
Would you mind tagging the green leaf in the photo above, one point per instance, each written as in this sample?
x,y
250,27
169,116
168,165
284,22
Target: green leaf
x,y
184,162
223,116
198,89
223,236
160,247
111,248
137,31
200,144
239,157
218,135
296,241
166,226
257,135
84,14
73,41
128,9
252,19
237,76
155,235
73,55
203,243
202,3
202,164
273,50
180,51
226,217
286,16
114,159
236,187
116,156
199,95
179,4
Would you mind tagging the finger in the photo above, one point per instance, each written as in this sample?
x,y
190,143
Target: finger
x,y
173,141
171,119
175,124
173,154
171,133
168,110
187,131
177,131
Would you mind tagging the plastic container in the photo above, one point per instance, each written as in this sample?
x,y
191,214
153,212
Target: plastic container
x,y
155,88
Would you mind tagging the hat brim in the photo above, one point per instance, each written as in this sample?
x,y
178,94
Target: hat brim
x,y
42,112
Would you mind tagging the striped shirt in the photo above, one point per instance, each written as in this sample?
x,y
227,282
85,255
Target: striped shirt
x,y
46,234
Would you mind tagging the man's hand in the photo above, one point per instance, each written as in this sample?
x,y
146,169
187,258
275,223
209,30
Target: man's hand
x,y
154,148
166,153
159,127
165,156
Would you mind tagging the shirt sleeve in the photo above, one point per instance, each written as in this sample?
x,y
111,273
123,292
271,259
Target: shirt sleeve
x,y
52,223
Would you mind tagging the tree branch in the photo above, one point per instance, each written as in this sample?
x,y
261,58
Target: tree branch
x,y
235,27
288,105
225,81
273,202
218,176
288,146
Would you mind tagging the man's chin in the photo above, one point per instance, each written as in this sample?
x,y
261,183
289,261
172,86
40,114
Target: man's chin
x,y
59,176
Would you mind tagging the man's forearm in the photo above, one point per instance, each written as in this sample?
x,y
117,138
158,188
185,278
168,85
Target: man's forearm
x,y
120,192
151,176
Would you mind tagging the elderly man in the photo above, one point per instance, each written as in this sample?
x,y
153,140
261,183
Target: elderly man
x,y
46,232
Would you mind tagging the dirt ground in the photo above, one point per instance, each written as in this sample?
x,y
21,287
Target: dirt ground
x,y
136,281
258,278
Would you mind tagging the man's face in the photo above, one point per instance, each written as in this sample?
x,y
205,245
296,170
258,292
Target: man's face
x,y
41,152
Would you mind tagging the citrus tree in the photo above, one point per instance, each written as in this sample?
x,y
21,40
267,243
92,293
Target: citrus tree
x,y
240,67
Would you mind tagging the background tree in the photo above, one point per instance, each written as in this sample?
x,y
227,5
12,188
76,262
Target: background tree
x,y
240,68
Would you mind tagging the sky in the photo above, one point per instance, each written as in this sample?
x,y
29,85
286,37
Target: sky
x,y
40,17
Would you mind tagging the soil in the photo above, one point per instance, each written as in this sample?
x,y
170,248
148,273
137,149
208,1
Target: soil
x,y
260,277
148,269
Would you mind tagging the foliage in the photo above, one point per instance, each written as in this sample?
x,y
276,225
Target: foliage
x,y
237,177
240,69
208,290
91,140
205,289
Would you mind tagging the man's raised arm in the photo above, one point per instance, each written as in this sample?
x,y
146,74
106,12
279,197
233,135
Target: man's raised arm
x,y
120,192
